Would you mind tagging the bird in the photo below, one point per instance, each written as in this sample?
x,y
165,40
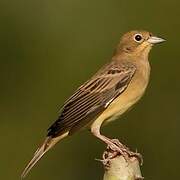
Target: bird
x,y
109,93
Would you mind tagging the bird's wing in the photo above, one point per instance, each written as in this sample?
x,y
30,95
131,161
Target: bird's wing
x,y
93,97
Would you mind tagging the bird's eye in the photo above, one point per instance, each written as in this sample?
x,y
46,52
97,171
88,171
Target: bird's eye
x,y
138,37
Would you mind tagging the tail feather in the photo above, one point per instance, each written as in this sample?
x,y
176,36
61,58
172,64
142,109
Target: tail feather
x,y
46,146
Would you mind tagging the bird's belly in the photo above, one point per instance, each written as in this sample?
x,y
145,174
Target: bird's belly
x,y
118,109
122,103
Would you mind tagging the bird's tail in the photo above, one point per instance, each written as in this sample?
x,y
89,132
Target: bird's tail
x,y
46,146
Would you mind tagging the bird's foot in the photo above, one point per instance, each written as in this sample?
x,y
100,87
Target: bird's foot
x,y
107,156
115,147
137,156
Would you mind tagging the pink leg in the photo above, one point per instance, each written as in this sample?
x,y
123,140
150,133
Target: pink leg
x,y
114,144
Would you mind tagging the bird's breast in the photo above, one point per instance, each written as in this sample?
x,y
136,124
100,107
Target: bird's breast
x,y
131,95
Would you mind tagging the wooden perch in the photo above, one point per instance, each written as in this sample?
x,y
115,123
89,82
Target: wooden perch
x,y
121,168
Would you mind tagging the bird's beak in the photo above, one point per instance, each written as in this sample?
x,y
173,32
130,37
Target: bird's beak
x,y
155,40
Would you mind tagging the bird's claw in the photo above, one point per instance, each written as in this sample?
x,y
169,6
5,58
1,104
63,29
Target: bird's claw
x,y
116,148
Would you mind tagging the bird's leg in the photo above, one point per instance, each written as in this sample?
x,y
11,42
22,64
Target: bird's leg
x,y
118,143
115,146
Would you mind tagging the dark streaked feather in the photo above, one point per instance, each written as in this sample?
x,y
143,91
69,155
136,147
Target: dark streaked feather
x,y
93,97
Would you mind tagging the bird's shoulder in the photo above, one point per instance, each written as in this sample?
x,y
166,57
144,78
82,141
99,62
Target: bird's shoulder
x,y
115,67
105,78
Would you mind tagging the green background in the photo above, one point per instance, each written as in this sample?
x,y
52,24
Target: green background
x,y
48,48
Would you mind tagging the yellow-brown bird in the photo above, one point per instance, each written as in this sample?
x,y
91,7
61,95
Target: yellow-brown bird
x,y
106,95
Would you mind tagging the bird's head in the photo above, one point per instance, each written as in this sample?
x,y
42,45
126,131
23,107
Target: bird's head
x,y
138,42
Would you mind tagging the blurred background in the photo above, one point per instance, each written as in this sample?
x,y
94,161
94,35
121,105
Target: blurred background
x,y
48,48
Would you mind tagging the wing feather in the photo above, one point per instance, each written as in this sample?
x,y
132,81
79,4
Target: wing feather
x,y
93,97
